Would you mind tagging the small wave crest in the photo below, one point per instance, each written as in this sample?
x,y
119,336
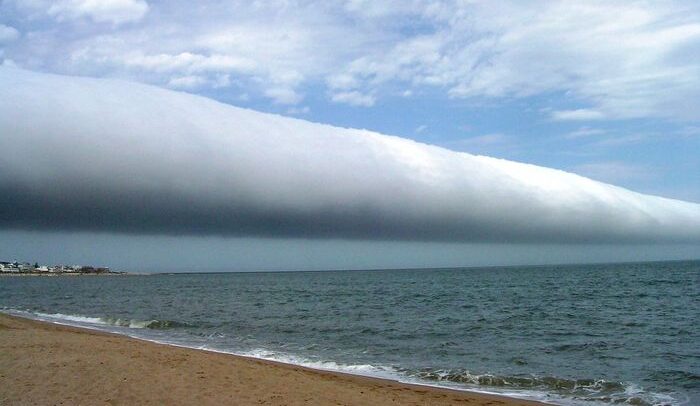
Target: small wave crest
x,y
152,324
520,381
589,390
80,320
357,369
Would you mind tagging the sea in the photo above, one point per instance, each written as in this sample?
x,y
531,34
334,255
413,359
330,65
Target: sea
x,y
567,334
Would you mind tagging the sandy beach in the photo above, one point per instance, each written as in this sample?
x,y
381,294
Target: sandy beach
x,y
48,364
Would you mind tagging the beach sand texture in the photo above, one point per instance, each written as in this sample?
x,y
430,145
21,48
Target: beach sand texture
x,y
48,364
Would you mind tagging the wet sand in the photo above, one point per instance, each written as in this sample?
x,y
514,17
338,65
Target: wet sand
x,y
49,364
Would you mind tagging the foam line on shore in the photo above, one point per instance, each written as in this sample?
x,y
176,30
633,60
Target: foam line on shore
x,y
138,330
367,371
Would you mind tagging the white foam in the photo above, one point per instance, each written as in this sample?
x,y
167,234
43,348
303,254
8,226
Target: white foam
x,y
82,321
377,371
385,372
68,317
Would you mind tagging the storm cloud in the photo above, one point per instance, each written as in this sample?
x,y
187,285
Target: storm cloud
x,y
107,155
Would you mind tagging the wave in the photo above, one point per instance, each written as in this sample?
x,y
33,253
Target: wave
x,y
377,371
588,390
520,381
552,390
153,324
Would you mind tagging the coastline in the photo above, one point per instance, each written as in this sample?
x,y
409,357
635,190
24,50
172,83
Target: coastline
x,y
43,363
56,275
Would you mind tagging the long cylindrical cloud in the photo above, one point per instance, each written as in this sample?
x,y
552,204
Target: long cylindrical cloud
x,y
96,154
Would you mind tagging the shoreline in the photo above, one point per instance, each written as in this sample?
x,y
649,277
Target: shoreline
x,y
57,274
43,362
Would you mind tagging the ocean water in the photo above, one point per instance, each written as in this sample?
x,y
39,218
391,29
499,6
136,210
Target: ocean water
x,y
570,335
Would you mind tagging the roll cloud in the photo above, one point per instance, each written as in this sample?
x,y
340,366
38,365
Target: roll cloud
x,y
107,155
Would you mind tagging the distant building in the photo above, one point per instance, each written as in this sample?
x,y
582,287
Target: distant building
x,y
26,267
9,267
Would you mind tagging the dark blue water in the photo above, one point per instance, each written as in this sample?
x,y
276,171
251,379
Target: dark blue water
x,y
588,334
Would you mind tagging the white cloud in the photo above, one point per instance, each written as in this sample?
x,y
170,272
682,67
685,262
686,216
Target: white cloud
x,y
342,81
626,59
354,98
233,171
8,63
187,82
221,81
267,55
621,59
283,95
8,34
194,82
584,132
577,115
187,62
111,11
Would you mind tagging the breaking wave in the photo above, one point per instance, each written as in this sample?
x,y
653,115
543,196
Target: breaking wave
x,y
588,390
79,320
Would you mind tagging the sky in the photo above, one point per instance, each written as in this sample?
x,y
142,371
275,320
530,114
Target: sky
x,y
606,90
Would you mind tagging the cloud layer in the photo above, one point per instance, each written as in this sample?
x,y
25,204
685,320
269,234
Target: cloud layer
x,y
105,155
612,59
113,11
